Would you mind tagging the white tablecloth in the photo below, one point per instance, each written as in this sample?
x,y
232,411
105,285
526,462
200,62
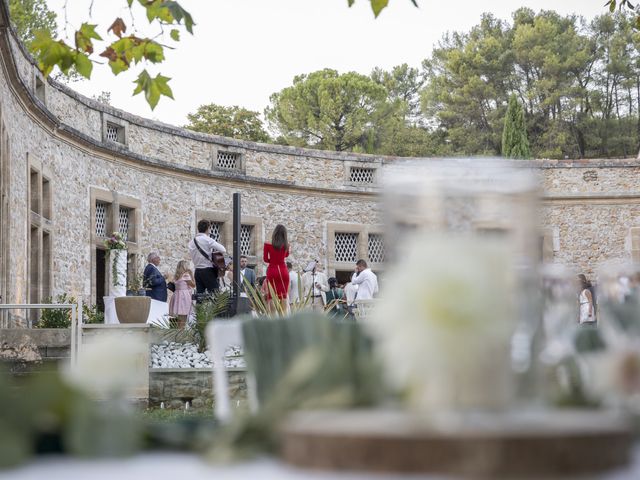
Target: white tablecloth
x,y
157,310
175,466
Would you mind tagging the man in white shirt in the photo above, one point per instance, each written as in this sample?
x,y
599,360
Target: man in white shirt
x,y
364,283
314,277
293,284
206,273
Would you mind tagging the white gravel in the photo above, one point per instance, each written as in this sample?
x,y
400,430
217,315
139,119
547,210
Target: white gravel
x,y
185,355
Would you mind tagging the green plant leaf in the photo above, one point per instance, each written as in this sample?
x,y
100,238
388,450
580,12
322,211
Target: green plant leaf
x,y
180,14
378,5
175,35
153,88
84,66
350,2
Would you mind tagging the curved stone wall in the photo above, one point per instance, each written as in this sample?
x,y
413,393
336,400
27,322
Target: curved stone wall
x,y
63,157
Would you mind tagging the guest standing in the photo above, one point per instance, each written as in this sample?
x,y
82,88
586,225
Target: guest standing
x,y
181,302
153,280
293,284
585,299
200,248
274,254
246,274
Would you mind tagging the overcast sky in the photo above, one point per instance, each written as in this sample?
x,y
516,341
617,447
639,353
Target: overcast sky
x,y
244,50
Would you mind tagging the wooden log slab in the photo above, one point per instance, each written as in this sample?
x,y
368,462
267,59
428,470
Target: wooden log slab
x,y
502,445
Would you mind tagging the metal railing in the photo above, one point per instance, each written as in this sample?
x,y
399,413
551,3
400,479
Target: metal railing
x,y
76,317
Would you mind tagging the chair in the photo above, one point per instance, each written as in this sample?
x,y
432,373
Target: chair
x,y
221,335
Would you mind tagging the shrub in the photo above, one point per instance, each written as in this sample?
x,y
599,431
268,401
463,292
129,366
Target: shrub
x,y
56,317
91,314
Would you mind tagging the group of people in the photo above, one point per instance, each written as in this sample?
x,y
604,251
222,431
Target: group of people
x,y
279,286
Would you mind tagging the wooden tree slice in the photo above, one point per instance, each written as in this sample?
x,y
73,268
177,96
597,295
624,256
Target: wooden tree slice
x,y
478,445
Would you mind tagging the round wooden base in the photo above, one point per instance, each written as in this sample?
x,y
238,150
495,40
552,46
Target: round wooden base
x,y
479,445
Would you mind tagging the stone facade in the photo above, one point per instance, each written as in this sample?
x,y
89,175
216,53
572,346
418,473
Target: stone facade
x,y
195,385
86,156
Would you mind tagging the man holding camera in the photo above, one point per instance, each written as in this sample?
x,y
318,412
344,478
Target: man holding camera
x,y
200,249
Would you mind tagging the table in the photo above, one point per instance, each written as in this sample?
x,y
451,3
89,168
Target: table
x,y
174,466
157,311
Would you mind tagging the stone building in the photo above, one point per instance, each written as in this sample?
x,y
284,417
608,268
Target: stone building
x,y
73,170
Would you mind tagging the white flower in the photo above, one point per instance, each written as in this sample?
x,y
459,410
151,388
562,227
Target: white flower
x,y
445,324
110,364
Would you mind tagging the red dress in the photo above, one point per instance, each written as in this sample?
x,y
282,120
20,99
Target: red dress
x,y
277,273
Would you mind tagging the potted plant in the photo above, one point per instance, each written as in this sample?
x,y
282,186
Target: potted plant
x,y
135,286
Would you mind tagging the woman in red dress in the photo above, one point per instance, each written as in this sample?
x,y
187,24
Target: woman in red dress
x,y
277,273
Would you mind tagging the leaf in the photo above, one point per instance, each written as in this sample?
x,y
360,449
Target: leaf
x,y
175,35
84,66
180,14
153,88
612,6
378,5
118,27
83,38
351,2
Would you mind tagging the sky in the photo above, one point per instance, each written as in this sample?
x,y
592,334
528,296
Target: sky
x,y
242,51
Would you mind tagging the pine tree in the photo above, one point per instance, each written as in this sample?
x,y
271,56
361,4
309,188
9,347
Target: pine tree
x,y
515,143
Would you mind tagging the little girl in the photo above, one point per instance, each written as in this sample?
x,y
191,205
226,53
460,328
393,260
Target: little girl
x,y
180,304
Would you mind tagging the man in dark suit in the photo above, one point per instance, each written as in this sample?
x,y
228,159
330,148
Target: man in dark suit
x,y
246,274
154,282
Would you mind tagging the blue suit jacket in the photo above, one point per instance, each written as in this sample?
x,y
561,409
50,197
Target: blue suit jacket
x,y
154,281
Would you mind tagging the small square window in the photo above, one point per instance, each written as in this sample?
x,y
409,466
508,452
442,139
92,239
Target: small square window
x,y
246,240
376,248
228,160
362,175
101,219
216,231
40,89
346,247
114,132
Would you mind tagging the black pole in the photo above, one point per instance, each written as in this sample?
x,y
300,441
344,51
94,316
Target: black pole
x,y
236,253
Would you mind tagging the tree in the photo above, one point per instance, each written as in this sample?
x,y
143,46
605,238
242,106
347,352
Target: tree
x,y
234,122
514,136
327,110
29,16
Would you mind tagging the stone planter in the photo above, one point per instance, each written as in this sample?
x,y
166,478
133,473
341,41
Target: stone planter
x,y
133,309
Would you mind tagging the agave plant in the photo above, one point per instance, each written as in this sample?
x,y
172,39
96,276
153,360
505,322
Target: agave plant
x,y
215,306
260,305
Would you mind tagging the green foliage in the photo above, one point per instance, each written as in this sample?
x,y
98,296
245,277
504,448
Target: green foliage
x,y
378,5
514,136
326,109
122,53
56,317
30,16
215,306
234,122
91,314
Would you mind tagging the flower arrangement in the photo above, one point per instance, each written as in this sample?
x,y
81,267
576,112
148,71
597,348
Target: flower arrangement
x,y
115,242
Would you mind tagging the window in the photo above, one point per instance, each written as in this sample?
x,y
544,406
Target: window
x,y
101,219
216,231
40,238
114,132
39,88
362,175
350,242
228,160
112,212
246,240
346,247
376,248
123,222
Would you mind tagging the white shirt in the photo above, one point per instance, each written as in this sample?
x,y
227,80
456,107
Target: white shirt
x,y
320,278
293,287
207,244
367,283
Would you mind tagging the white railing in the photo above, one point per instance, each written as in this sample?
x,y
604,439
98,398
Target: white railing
x,y
76,318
